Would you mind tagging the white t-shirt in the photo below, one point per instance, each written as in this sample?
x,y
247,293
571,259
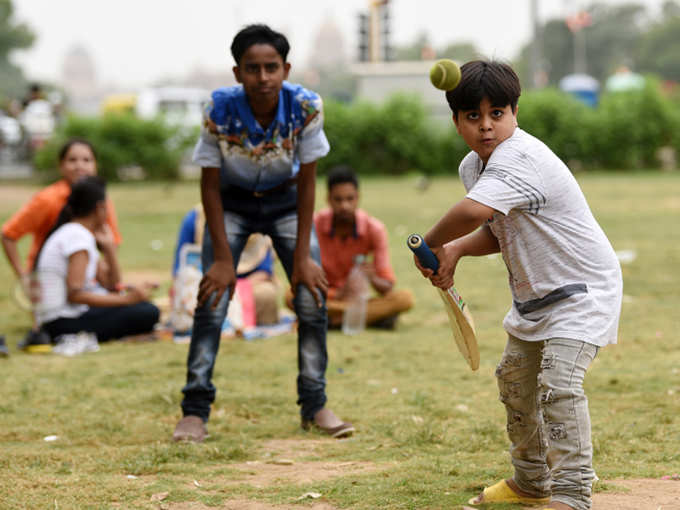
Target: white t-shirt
x,y
52,270
564,276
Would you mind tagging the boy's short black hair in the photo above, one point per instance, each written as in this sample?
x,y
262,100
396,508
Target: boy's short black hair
x,y
341,174
258,34
481,78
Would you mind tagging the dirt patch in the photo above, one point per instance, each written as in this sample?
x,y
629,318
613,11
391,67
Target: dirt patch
x,y
284,471
279,465
295,448
642,494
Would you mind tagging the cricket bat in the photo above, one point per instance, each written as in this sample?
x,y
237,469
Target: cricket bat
x,y
460,319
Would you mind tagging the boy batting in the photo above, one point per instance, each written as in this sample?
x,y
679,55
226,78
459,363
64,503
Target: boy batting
x,y
258,152
564,277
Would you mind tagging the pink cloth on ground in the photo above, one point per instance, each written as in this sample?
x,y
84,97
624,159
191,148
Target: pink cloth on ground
x,y
245,293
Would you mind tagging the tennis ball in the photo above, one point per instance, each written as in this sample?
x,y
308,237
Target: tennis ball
x,y
445,74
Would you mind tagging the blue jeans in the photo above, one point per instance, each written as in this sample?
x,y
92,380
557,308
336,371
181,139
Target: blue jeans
x,y
274,215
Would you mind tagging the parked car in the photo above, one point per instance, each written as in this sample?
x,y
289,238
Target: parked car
x,y
180,106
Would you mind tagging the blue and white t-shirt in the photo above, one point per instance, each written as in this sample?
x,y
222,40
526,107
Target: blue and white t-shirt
x,y
257,158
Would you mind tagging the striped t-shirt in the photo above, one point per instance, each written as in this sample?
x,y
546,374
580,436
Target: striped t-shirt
x,y
564,276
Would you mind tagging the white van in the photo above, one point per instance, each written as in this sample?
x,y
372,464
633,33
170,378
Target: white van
x,y
180,106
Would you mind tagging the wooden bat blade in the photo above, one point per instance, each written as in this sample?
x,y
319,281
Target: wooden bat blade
x,y
462,326
460,319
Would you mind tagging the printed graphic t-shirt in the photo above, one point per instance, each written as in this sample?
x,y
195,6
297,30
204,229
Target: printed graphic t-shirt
x,y
256,158
564,276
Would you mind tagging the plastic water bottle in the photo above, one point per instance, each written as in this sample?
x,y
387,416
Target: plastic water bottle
x,y
354,318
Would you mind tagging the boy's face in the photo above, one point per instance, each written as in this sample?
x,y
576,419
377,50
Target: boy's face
x,y
486,127
262,71
343,199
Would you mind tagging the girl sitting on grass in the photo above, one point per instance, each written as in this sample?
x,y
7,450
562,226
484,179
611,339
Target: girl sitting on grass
x,y
73,302
77,159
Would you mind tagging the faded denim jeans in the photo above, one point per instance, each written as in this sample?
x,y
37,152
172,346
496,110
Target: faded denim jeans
x,y
274,215
548,423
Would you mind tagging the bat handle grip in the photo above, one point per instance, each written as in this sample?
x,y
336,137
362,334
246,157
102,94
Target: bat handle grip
x,y
425,256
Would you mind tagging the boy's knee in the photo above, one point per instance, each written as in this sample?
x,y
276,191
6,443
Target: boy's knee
x,y
306,307
509,364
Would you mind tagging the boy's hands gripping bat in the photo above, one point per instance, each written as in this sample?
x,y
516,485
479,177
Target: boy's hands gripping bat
x,y
460,319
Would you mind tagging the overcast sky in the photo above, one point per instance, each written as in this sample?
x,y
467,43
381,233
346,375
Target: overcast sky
x,y
134,42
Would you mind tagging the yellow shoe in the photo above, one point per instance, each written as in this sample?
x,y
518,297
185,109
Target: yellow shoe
x,y
502,493
36,342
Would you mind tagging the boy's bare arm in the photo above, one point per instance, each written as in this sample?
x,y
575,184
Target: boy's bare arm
x,y
455,235
461,219
478,243
221,275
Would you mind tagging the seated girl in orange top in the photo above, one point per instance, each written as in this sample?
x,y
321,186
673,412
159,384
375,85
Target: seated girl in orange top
x,y
77,159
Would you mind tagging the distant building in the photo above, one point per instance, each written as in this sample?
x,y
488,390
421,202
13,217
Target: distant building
x,y
328,49
376,81
79,79
202,78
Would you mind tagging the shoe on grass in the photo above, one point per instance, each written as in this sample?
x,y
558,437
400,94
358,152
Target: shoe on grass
x,y
4,351
73,344
501,492
190,428
36,342
328,423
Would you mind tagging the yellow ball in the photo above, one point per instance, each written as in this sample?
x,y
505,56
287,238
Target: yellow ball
x,y
445,74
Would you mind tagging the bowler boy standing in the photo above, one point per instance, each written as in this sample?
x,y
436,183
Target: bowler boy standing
x,y
258,151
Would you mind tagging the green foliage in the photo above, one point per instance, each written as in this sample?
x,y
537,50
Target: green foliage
x,y
613,36
630,127
393,138
559,120
13,36
625,131
123,141
619,35
659,47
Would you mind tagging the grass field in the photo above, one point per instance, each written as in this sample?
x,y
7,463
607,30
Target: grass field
x,y
430,432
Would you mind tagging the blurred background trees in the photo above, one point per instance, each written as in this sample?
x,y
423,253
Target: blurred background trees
x,y
397,134
13,36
